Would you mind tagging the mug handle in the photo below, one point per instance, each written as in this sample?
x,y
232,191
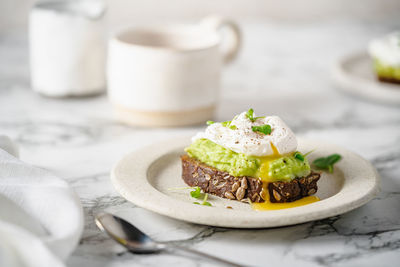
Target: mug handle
x,y
232,46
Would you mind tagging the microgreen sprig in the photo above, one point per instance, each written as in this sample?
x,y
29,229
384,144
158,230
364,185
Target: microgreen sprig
x,y
309,152
265,129
205,202
195,193
181,188
250,115
299,156
228,124
327,162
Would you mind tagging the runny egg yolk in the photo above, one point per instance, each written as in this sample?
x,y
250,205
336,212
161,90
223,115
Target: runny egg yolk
x,y
267,205
263,173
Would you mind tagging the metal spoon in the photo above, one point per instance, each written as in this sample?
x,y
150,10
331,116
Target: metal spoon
x,y
138,242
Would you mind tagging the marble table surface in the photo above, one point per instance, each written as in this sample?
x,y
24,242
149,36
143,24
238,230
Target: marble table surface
x,y
284,70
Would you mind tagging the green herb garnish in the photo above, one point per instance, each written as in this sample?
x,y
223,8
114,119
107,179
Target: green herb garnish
x,y
299,156
205,202
181,188
196,193
210,122
308,153
226,123
250,115
265,129
327,162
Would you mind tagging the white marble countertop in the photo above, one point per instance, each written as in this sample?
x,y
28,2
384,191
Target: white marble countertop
x,y
284,70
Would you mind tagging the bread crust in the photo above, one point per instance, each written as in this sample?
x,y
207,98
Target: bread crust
x,y
388,80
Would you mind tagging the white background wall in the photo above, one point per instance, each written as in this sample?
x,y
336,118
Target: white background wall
x,y
13,13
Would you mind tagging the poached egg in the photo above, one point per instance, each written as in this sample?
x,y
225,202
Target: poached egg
x,y
240,137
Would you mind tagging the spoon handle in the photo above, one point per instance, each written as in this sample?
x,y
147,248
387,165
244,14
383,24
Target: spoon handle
x,y
205,255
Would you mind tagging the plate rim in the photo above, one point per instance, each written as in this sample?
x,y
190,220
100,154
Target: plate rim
x,y
179,209
360,87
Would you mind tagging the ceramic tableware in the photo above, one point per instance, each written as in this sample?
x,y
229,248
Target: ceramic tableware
x,y
168,75
354,75
146,178
67,44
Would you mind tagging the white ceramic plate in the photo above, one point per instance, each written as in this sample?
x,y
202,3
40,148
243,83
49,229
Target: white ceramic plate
x,y
354,74
144,177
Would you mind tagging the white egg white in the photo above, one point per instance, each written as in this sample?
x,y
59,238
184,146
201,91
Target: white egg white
x,y
244,140
386,49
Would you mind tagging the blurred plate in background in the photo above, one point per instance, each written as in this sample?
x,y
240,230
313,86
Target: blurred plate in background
x,y
354,75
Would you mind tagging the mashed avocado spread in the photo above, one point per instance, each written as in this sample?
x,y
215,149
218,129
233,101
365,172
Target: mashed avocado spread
x,y
386,71
270,168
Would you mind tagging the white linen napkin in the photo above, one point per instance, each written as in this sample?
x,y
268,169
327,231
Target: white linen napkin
x,y
41,218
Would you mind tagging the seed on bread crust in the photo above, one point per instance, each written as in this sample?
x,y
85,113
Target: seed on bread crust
x,y
235,187
229,195
243,183
240,193
221,185
263,194
255,198
277,196
312,191
245,200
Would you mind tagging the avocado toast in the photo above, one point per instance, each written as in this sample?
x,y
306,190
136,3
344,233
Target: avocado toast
x,y
250,159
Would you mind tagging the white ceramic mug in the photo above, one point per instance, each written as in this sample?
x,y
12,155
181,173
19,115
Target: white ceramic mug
x,y
168,75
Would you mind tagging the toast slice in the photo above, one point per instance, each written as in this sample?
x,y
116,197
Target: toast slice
x,y
222,184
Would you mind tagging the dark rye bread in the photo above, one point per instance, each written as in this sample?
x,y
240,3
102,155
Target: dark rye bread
x,y
222,184
388,80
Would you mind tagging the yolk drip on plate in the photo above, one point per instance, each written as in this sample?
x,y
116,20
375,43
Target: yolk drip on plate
x,y
267,205
263,173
